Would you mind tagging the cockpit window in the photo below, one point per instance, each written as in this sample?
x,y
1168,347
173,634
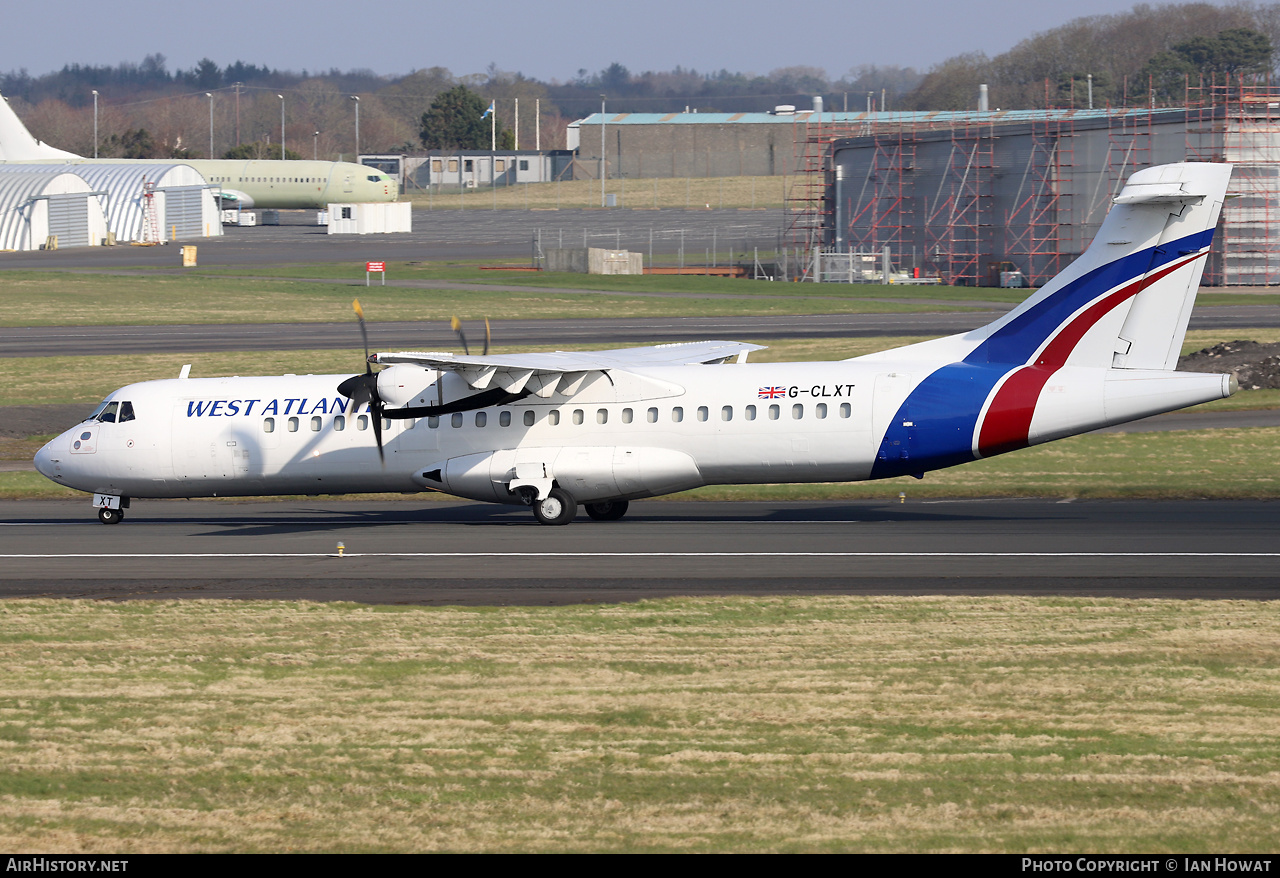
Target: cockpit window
x,y
107,414
126,412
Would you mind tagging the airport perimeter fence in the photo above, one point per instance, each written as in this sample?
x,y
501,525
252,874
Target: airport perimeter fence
x,y
739,251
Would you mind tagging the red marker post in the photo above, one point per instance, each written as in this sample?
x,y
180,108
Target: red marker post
x,y
371,267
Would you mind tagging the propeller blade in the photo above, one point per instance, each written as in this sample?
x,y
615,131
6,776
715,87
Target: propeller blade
x,y
363,389
486,336
364,333
456,325
375,411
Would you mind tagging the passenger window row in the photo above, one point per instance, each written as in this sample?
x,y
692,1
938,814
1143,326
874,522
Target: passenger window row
x,y
577,417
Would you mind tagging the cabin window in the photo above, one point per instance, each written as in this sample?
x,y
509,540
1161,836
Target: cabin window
x,y
126,412
845,410
433,422
386,423
553,417
677,414
726,413
339,423
820,410
362,422
315,424
602,416
797,411
652,416
577,416
626,416
482,418
702,413
456,420
268,425
293,425
528,418
774,411
750,413
504,419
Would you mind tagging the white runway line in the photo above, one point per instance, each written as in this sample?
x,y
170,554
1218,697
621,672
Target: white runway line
x,y
159,555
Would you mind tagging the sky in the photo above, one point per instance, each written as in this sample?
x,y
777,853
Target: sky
x,y
543,39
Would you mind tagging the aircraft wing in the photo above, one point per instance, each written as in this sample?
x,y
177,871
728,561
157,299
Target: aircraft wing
x,y
545,373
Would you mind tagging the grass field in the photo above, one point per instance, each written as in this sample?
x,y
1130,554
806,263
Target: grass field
x,y
779,724
67,299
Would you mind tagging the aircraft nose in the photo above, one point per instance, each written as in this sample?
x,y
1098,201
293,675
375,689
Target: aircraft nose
x,y
51,460
44,460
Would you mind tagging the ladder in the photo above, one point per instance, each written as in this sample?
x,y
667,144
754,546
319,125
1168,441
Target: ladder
x,y
151,230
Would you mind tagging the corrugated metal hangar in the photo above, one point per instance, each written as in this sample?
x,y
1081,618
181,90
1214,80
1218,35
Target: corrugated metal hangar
x,y
40,205
151,203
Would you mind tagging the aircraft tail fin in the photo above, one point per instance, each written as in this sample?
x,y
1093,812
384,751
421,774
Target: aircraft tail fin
x,y
17,144
1126,301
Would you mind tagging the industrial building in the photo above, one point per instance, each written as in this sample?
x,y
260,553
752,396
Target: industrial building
x,y
969,198
472,168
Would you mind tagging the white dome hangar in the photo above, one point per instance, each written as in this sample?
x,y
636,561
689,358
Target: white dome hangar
x,y
38,205
181,203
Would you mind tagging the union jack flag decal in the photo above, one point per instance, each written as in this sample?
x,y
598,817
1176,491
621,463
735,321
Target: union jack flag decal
x,y
772,392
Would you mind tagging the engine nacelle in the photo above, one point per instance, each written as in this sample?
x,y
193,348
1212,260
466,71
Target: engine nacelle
x,y
403,385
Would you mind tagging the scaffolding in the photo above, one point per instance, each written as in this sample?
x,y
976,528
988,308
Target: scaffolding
x,y
1033,227
966,196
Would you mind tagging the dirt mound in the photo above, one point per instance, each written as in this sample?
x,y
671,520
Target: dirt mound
x,y
1255,365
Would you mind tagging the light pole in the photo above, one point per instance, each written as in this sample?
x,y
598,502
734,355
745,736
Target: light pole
x,y
281,97
209,95
315,146
95,123
356,98
603,166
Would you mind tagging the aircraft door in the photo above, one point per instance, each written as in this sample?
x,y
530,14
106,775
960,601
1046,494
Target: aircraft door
x,y
201,450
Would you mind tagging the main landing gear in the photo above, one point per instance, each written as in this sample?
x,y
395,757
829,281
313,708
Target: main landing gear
x,y
559,507
607,510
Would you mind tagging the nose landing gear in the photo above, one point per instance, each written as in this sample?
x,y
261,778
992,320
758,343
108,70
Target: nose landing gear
x,y
110,516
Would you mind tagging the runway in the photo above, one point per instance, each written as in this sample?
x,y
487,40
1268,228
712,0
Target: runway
x,y
435,552
49,341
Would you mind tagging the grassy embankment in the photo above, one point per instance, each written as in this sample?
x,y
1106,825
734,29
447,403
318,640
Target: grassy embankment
x,y
739,724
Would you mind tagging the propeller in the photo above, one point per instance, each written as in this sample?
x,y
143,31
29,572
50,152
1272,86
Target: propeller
x,y
361,389
456,325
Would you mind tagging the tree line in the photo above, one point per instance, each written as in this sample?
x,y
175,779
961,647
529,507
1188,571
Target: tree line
x,y
1145,55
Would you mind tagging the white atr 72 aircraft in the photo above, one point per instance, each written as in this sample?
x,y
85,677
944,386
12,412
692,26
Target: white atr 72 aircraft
x,y
1096,346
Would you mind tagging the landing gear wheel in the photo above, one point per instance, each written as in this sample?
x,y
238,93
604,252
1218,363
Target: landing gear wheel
x,y
110,516
607,510
557,508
